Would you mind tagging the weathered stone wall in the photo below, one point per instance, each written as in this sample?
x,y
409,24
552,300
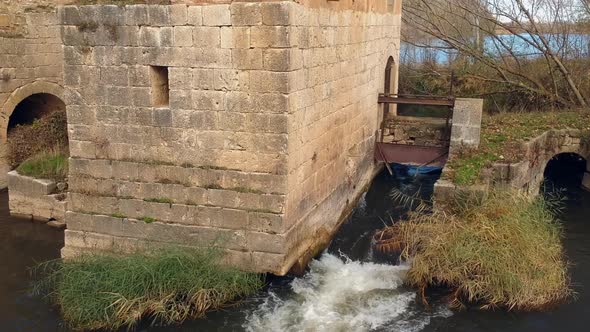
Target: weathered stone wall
x,y
209,166
31,59
529,173
35,198
337,68
410,130
465,134
466,129
267,137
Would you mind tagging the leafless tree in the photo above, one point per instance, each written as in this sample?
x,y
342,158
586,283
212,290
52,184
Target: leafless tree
x,y
495,33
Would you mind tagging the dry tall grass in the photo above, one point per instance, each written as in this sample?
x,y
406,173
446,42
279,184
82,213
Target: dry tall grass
x,y
502,250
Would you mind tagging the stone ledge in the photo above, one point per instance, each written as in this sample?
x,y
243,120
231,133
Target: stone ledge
x,y
81,242
30,186
35,198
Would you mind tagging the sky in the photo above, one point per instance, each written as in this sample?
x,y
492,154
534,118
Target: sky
x,y
542,10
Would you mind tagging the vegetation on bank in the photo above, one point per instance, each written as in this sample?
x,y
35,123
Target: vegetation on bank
x,y
28,140
503,135
505,54
165,286
51,164
500,250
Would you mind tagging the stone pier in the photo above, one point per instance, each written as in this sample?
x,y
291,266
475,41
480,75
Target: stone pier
x,y
246,125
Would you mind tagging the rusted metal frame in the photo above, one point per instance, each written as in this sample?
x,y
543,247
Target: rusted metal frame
x,y
388,99
406,153
384,159
433,160
405,95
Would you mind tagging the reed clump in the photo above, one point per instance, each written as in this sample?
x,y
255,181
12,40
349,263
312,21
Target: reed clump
x,y
166,286
502,249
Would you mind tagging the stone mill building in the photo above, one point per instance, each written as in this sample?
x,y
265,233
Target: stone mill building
x,y
250,125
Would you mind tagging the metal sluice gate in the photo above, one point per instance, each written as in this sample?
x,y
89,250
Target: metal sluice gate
x,y
412,154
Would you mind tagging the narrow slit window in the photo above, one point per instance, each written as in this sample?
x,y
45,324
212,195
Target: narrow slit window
x,y
160,87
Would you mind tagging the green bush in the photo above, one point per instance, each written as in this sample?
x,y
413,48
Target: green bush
x,y
165,286
52,164
500,250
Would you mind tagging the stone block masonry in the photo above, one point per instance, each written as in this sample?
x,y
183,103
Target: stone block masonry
x,y
466,131
35,198
265,139
31,59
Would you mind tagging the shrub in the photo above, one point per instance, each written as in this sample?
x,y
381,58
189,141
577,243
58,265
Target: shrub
x,y
25,141
52,164
166,286
502,250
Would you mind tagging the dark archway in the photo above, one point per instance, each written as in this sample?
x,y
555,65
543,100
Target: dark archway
x,y
388,84
34,107
38,124
388,87
564,170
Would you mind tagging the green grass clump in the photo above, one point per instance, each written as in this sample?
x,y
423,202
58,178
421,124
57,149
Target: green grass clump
x,y
148,220
159,200
165,286
51,164
501,250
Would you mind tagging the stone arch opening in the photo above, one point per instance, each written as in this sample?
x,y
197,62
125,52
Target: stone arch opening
x,y
389,87
34,107
389,78
33,119
566,170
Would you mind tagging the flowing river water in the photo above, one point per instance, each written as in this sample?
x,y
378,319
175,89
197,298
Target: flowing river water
x,y
348,288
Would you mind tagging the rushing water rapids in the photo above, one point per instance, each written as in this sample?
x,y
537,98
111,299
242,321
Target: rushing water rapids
x,y
343,295
349,288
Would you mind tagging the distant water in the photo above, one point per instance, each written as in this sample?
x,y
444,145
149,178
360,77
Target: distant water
x,y
576,45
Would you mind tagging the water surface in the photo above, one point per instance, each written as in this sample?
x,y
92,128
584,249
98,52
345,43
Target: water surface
x,y
348,288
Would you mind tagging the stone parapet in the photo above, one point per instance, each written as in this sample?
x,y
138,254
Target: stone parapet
x,y
528,173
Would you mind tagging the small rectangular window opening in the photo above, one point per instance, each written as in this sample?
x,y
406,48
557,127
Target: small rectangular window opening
x,y
160,87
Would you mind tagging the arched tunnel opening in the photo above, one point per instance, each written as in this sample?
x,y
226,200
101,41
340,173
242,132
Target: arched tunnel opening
x,y
565,170
37,125
35,107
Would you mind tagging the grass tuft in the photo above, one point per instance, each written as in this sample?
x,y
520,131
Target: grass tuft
x,y
148,220
500,250
165,286
51,164
159,200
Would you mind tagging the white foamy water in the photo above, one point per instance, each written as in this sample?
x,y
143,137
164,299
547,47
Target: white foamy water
x,y
343,295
